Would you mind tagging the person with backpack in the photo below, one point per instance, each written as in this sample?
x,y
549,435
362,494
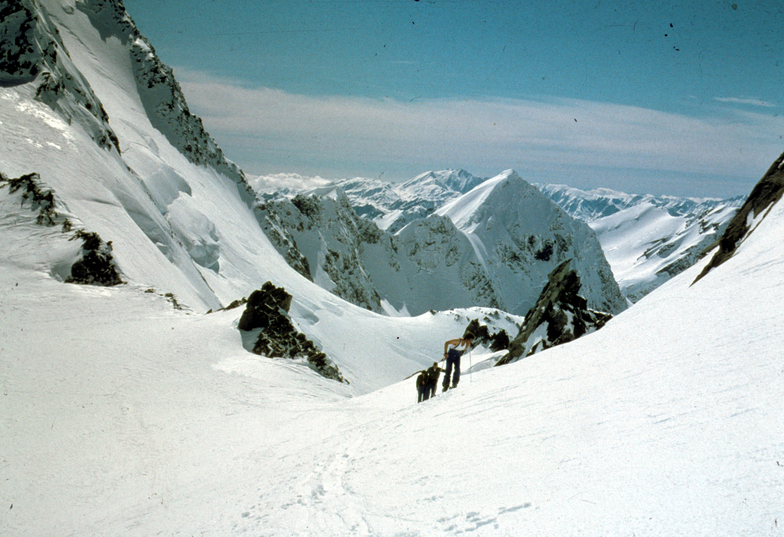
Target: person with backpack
x,y
423,388
453,350
433,372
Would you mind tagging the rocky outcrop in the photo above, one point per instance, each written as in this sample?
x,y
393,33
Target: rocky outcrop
x,y
95,265
31,50
323,239
482,336
40,197
559,316
266,310
765,194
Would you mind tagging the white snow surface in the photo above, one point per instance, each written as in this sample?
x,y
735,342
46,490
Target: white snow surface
x,y
121,415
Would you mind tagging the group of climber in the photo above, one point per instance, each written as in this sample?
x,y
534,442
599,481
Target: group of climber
x,y
427,381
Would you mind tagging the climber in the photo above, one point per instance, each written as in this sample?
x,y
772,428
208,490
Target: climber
x,y
423,388
453,350
433,372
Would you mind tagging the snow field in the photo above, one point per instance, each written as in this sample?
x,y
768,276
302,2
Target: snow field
x,y
120,415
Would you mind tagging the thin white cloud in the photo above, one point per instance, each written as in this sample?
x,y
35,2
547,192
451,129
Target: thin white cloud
x,y
754,102
346,136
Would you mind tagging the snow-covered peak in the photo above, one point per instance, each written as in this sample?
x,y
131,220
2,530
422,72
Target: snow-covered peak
x,y
589,205
520,232
505,196
434,183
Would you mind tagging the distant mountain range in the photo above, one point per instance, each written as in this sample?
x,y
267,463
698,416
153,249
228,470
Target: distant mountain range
x,y
460,241
646,239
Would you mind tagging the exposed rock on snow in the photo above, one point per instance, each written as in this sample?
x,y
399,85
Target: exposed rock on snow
x,y
482,336
267,310
323,239
96,266
765,194
40,197
31,50
559,316
647,239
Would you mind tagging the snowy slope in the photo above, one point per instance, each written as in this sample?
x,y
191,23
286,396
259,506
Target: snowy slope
x,y
179,221
123,416
646,239
520,236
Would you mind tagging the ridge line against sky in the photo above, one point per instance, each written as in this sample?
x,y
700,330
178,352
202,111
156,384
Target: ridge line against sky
x,y
658,98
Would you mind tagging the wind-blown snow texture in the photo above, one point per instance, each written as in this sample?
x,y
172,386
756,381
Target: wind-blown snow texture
x,y
121,414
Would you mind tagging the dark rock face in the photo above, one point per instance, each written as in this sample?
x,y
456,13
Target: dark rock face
x,y
267,309
482,336
31,50
263,305
96,267
765,194
39,197
338,230
559,316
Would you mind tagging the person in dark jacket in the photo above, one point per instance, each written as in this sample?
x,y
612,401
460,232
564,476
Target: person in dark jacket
x,y
423,388
433,372
453,350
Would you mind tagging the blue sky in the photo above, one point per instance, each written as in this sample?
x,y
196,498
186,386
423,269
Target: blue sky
x,y
678,98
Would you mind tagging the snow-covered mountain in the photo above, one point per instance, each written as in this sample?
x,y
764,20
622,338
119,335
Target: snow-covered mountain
x,y
90,112
393,205
389,205
128,410
492,246
647,239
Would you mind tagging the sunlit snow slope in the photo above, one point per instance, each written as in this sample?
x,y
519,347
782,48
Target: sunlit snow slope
x,y
123,416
